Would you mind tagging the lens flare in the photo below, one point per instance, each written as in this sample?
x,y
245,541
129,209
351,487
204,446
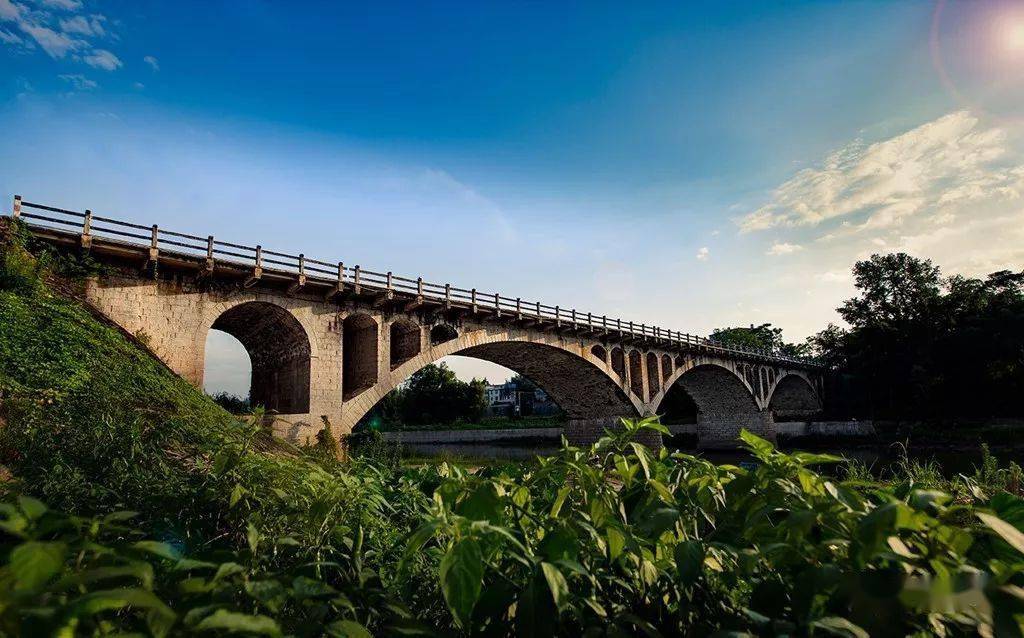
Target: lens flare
x,y
1012,35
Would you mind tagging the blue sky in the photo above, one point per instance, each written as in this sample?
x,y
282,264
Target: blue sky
x,y
691,165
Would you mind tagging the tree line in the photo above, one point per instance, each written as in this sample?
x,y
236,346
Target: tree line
x,y
916,344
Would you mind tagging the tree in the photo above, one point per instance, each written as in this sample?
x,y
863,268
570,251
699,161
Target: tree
x,y
763,337
895,289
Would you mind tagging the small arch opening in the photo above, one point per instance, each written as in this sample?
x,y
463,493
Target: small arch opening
x,y
794,399
359,354
666,367
653,376
636,373
679,361
599,352
404,341
441,333
619,362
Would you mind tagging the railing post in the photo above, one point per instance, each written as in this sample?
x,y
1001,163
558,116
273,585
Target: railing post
x,y
302,265
497,305
519,308
209,253
341,274
257,269
16,211
87,229
447,294
574,318
355,280
538,311
419,286
154,250
472,300
604,321
389,280
558,319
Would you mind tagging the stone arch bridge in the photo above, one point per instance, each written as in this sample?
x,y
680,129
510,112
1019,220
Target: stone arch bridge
x,y
328,341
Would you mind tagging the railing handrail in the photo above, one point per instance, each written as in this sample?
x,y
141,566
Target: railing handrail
x,y
339,274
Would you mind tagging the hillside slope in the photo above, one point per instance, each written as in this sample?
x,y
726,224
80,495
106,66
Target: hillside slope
x,y
94,422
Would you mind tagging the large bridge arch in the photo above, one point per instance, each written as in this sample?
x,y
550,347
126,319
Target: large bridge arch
x,y
279,350
725,403
580,382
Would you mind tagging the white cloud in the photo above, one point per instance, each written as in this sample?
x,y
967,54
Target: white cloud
x,y
103,59
66,5
153,62
9,10
9,38
703,253
82,25
79,81
60,35
138,86
57,45
954,159
783,248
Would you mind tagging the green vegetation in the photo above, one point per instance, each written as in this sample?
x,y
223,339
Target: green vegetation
x,y
235,533
923,346
433,395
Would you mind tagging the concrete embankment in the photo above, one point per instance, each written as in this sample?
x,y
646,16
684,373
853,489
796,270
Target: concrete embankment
x,y
512,435
415,437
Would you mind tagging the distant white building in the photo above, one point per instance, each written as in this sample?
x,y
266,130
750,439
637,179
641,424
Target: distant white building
x,y
505,399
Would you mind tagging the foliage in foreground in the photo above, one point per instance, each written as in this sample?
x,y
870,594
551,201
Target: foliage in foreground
x,y
609,540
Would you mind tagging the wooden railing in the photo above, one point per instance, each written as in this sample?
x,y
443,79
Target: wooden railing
x,y
307,269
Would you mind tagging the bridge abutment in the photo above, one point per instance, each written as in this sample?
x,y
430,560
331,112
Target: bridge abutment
x,y
721,431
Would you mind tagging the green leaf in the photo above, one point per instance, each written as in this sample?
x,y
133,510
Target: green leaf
x,y
236,495
616,542
33,508
462,572
252,536
1007,532
689,557
347,629
556,507
483,504
163,550
34,563
560,543
836,626
304,587
233,622
759,447
93,603
640,450
557,584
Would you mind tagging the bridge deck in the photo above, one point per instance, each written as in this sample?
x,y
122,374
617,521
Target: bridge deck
x,y
251,265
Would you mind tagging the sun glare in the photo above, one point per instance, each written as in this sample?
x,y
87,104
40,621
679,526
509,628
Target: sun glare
x,y
1012,34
